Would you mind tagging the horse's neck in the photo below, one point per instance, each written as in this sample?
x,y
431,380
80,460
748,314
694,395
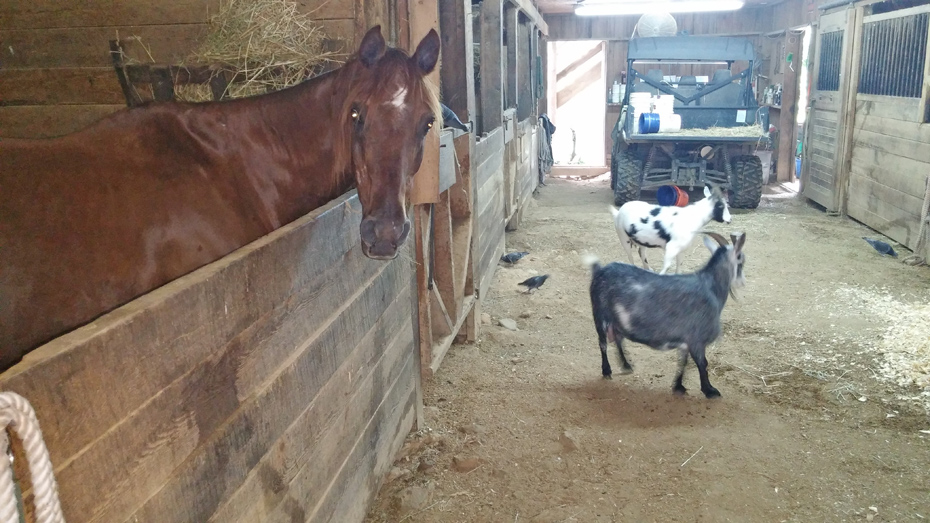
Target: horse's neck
x,y
301,120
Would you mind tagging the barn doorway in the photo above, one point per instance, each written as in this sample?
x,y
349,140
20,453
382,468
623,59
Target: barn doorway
x,y
577,91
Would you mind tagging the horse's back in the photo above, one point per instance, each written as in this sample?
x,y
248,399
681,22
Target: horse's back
x,y
91,220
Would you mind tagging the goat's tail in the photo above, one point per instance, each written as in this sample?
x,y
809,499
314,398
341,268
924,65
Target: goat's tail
x,y
591,261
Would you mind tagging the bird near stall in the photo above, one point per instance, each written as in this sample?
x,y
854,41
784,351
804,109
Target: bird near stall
x,y
450,119
882,247
534,283
513,257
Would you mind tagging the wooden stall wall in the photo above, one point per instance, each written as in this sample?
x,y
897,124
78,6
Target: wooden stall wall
x,y
505,160
490,219
887,163
617,30
56,75
274,384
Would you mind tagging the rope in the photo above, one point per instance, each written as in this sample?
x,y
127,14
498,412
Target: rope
x,y
17,413
921,247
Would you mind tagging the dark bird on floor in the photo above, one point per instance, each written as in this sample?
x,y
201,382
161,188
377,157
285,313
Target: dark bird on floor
x,y
882,247
533,283
513,257
450,119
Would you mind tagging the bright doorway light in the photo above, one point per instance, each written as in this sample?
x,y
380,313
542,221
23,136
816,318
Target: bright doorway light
x,y
642,7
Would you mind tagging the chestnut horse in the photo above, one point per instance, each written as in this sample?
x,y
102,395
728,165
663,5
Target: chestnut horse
x,y
94,219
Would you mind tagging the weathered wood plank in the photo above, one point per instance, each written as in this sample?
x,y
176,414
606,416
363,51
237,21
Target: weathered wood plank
x,y
97,86
893,146
875,205
903,173
444,256
245,433
89,46
363,472
458,79
49,14
184,316
311,450
423,16
187,413
903,109
489,156
893,128
492,191
45,121
492,74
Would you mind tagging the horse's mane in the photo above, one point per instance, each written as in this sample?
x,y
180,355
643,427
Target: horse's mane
x,y
393,63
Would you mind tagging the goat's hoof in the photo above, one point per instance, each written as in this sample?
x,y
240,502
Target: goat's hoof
x,y
711,393
679,391
608,377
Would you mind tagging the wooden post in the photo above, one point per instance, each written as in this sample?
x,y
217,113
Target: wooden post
x,y
925,92
512,30
492,107
847,117
789,108
458,78
424,15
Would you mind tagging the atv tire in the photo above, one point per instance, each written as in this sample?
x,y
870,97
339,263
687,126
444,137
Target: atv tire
x,y
746,183
625,172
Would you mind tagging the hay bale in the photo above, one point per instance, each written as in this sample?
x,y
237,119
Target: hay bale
x,y
262,45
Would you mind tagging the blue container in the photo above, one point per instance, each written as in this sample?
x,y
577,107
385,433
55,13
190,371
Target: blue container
x,y
649,123
666,195
797,167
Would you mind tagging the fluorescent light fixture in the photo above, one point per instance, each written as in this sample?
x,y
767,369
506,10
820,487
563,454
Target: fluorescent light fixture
x,y
641,7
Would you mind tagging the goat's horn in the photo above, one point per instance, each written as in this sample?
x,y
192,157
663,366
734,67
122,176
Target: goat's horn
x,y
720,239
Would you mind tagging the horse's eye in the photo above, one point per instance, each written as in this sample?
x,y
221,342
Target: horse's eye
x,y
355,114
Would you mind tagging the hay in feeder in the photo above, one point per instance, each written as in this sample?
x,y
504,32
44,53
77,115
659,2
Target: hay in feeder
x,y
262,45
747,131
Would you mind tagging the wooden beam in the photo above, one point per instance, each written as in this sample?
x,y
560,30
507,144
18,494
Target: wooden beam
x,y
492,74
788,118
580,84
924,111
512,22
443,258
424,323
533,14
423,16
442,347
848,107
458,71
580,61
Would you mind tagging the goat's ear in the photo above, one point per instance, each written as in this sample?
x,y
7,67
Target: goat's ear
x,y
707,191
739,242
710,244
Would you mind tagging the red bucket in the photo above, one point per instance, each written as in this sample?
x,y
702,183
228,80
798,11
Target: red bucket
x,y
672,195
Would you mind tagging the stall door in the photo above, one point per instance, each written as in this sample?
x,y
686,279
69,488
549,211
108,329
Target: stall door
x,y
823,147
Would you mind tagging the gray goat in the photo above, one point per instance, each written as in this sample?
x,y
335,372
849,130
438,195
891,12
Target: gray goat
x,y
680,311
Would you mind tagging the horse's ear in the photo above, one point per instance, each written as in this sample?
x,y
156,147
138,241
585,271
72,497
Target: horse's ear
x,y
372,47
427,53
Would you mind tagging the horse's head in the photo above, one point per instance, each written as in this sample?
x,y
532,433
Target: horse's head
x,y
389,109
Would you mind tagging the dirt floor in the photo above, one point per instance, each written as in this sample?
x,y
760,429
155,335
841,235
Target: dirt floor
x,y
816,423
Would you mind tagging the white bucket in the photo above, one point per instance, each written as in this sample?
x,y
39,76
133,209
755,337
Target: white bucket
x,y
665,104
669,122
766,157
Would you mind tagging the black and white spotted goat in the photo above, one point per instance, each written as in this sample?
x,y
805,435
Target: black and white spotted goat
x,y
676,311
673,228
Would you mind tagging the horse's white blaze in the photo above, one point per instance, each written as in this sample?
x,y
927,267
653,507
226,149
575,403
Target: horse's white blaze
x,y
399,98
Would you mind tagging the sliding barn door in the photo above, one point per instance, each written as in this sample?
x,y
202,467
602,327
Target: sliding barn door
x,y
823,147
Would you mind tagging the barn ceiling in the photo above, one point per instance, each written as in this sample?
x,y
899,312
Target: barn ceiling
x,y
567,6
